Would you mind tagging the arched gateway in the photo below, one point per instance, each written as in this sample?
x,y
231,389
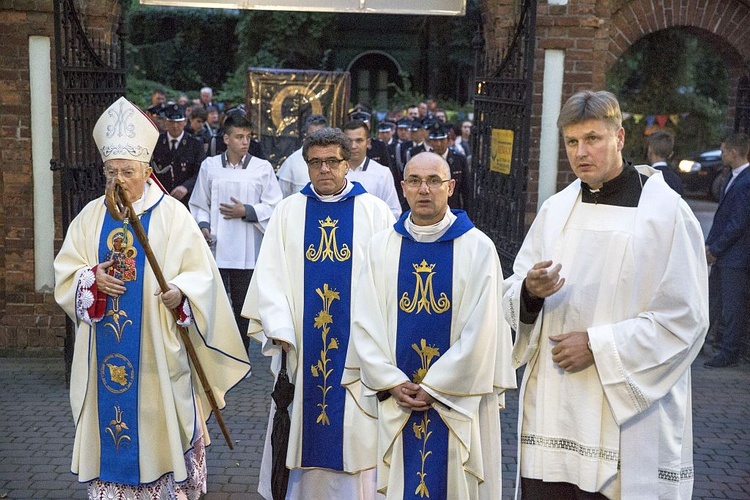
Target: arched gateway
x,y
539,52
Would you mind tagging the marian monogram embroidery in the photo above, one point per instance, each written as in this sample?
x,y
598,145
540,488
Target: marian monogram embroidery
x,y
327,247
424,295
121,126
320,369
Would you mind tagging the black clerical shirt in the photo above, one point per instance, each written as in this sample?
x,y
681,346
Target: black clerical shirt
x,y
622,191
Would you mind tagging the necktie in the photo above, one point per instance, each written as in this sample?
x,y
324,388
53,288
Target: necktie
x,y
174,144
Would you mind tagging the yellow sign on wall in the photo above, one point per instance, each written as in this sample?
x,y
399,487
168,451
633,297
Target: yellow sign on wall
x,y
501,150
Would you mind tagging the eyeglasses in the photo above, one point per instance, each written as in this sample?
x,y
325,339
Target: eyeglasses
x,y
126,173
332,163
432,182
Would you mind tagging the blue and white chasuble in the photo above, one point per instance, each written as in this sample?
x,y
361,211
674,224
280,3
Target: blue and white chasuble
x,y
328,244
425,298
118,344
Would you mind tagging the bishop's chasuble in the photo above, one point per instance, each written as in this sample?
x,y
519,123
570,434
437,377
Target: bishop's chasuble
x,y
138,406
301,294
427,310
636,280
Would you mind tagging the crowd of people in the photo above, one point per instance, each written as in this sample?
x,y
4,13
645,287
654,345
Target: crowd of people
x,y
358,271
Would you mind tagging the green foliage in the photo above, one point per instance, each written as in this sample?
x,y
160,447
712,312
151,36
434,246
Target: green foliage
x,y
139,91
284,39
671,72
183,48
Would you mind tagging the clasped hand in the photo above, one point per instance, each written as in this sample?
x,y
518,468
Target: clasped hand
x,y
412,396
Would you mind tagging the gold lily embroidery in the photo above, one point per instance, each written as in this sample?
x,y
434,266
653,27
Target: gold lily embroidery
x,y
119,427
426,354
421,432
424,295
328,248
320,368
116,314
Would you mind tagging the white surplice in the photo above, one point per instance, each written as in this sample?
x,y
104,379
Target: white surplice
x,y
468,380
275,307
636,280
377,179
237,241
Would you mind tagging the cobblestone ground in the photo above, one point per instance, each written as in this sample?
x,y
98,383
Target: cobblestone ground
x,y
36,433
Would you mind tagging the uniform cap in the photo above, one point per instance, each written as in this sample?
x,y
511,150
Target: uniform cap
x,y
437,131
360,115
404,123
158,109
386,126
174,113
123,131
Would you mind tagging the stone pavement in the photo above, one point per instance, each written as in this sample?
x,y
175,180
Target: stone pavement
x,y
36,433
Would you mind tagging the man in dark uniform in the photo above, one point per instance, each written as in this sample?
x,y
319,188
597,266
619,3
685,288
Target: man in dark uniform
x,y
156,113
386,131
377,150
418,135
177,156
401,145
437,141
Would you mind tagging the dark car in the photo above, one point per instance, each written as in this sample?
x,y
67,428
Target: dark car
x,y
703,174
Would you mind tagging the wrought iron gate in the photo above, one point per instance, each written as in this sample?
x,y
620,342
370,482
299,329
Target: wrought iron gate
x,y
502,103
90,77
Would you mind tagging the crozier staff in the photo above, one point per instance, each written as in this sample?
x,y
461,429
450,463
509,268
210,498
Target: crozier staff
x,y
139,409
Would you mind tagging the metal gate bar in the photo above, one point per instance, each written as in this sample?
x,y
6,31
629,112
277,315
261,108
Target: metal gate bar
x,y
502,100
90,77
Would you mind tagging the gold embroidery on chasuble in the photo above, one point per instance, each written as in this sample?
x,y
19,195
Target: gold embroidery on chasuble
x,y
117,428
424,296
327,247
124,268
426,354
321,369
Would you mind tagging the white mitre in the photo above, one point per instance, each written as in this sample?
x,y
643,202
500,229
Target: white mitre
x,y
125,132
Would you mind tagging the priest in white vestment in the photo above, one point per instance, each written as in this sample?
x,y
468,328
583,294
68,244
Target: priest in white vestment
x,y
432,346
609,303
300,300
140,412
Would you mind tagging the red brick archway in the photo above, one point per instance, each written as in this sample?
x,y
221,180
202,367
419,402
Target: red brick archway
x,y
593,34
722,24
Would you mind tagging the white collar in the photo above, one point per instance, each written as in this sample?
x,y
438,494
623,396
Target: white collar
x,y
431,233
358,167
178,138
330,198
738,170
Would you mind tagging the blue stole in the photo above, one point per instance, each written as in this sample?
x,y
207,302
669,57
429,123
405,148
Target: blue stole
x,y
328,247
425,301
118,347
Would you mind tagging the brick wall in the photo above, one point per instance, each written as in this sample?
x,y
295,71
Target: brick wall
x,y
594,34
30,321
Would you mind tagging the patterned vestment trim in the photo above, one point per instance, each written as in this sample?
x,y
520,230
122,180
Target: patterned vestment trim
x,y
570,445
164,488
